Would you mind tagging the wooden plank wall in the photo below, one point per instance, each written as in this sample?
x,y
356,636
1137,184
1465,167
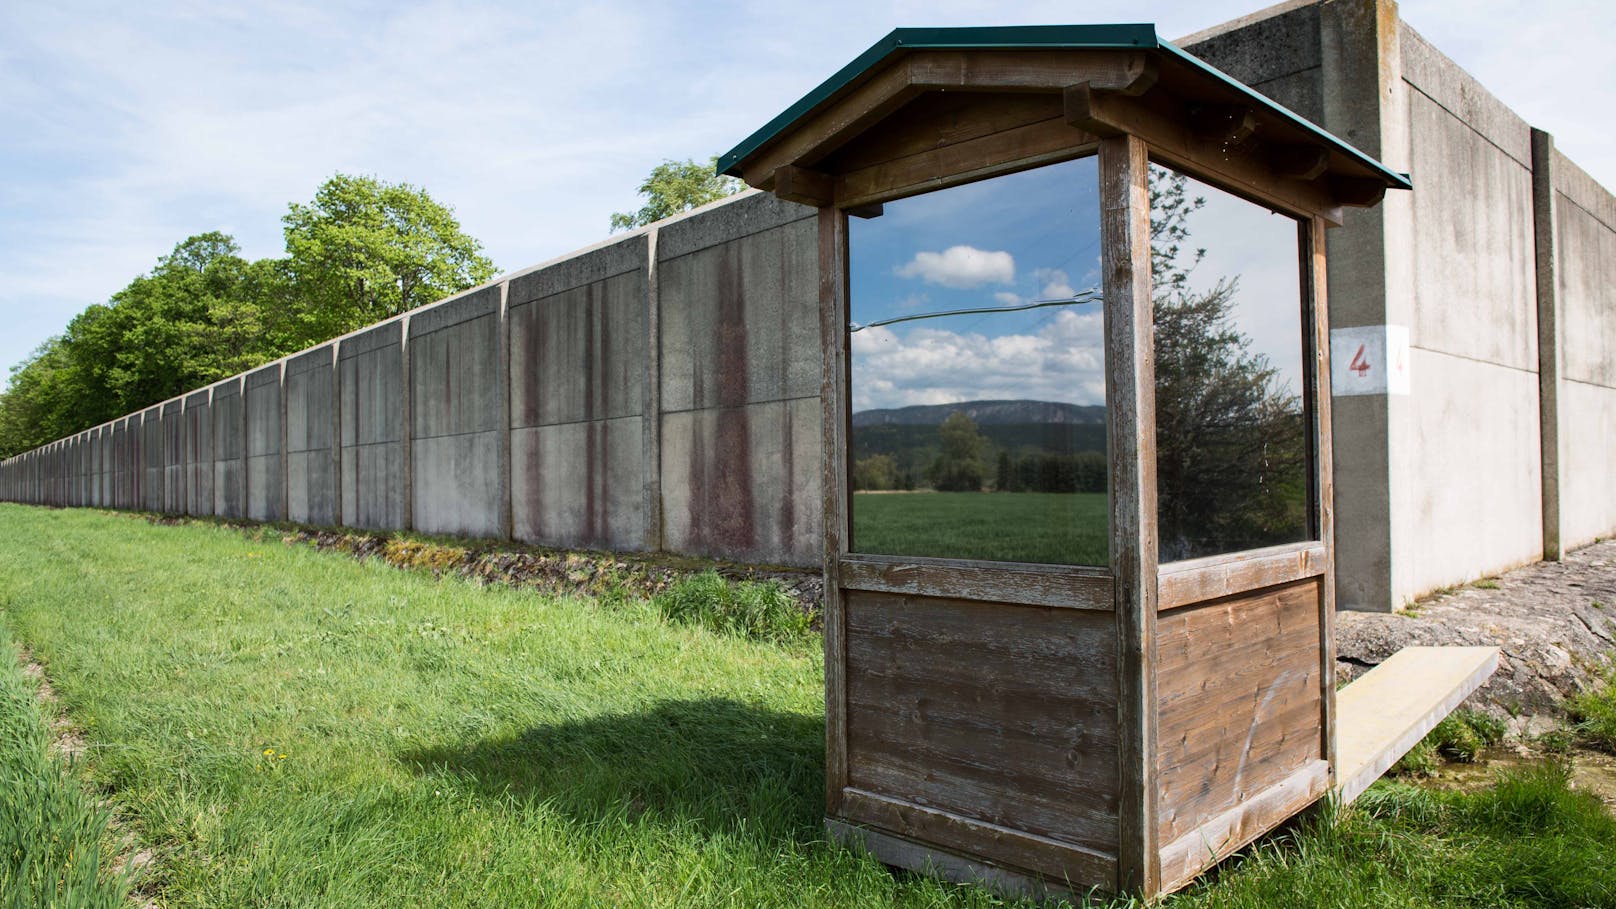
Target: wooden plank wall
x,y
1238,680
998,714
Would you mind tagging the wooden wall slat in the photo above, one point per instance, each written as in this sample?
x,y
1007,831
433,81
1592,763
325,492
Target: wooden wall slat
x,y
1238,680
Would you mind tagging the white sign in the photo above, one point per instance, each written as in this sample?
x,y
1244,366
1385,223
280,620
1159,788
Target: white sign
x,y
1371,360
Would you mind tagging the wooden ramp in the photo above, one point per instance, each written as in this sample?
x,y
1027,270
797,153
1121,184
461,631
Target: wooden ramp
x,y
1385,712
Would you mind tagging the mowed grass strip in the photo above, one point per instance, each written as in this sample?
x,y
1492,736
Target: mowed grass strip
x,y
292,728
52,832
1045,527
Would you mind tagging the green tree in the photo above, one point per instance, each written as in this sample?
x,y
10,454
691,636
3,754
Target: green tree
x,y
677,186
365,250
959,467
877,471
1230,446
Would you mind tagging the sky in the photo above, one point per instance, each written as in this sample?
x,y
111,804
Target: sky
x,y
128,127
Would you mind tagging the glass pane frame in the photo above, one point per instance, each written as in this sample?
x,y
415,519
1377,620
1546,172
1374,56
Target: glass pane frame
x,y
849,548
1312,382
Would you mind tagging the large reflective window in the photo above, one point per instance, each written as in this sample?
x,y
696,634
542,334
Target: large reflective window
x,y
1231,439
978,372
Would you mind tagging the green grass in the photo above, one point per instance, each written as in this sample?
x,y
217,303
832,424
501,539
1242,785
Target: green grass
x,y
1461,737
1057,528
1593,714
287,727
52,833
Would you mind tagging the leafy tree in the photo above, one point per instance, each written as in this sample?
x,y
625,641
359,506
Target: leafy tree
x,y
364,250
677,186
1230,446
361,251
959,466
878,471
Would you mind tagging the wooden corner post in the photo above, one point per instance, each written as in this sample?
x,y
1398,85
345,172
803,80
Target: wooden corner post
x,y
1131,443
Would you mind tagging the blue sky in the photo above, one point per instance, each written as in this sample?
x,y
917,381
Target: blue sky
x,y
131,126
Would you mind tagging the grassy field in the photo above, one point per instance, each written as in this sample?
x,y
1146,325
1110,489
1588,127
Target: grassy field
x,y
1058,528
286,727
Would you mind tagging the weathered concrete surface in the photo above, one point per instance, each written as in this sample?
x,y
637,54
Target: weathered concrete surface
x,y
198,453
174,478
149,459
458,421
740,404
578,348
229,450
265,428
1554,621
371,366
311,456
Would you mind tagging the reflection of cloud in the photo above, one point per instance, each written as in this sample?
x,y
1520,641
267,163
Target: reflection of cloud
x,y
961,267
1057,286
1008,298
1063,360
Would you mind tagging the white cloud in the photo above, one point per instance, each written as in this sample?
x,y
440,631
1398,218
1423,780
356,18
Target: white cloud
x,y
1057,286
961,267
1063,360
1008,298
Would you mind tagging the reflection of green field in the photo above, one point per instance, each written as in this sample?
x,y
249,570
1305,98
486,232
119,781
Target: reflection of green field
x,y
1003,526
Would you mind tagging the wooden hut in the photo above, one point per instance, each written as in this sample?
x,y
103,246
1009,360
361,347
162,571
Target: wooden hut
x,y
1041,724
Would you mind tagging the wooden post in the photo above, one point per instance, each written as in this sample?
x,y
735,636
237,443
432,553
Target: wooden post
x,y
833,314
1131,443
1321,476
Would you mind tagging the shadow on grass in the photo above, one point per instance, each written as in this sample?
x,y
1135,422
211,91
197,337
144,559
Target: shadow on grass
x,y
716,763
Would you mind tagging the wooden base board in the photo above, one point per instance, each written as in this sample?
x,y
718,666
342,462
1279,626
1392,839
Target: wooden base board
x,y
1385,712
1185,858
899,852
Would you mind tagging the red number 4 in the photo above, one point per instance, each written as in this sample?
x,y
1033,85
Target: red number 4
x,y
1359,365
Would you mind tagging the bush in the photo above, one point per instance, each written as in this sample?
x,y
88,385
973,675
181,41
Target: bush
x,y
761,610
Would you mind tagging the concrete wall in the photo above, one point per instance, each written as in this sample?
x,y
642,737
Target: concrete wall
x,y
659,390
1454,480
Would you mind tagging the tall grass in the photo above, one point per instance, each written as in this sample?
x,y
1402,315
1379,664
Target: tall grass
x,y
1593,714
51,831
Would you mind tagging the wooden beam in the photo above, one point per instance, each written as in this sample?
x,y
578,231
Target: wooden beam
x,y
1359,192
1018,149
1304,162
834,450
1226,124
1131,449
1001,582
1212,842
1316,381
1214,577
807,187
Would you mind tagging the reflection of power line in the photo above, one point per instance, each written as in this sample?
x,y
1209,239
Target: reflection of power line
x,y
1092,295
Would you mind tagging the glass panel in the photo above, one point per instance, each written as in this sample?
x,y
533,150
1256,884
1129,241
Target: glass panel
x,y
978,372
1231,439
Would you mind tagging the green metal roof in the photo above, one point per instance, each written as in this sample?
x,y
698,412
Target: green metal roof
x,y
1025,37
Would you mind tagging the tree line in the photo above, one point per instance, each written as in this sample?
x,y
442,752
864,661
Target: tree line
x,y
362,250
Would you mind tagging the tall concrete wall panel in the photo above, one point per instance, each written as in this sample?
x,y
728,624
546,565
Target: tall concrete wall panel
x,y
1585,228
370,367
198,453
174,452
311,434
458,416
229,450
738,299
150,456
1279,55
578,338
263,399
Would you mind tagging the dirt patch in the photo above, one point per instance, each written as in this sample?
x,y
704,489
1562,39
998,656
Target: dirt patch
x,y
1554,623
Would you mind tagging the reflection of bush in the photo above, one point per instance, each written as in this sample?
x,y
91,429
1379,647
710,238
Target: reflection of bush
x,y
1045,472
1231,448
876,472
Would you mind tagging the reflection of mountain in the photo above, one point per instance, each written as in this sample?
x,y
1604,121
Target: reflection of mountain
x,y
1019,429
985,413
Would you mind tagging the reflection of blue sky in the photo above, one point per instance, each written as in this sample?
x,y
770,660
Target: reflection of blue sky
x,y
1245,239
1000,242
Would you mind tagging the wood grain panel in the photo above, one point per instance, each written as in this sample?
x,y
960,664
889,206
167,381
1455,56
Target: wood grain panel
x,y
998,713
1240,704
